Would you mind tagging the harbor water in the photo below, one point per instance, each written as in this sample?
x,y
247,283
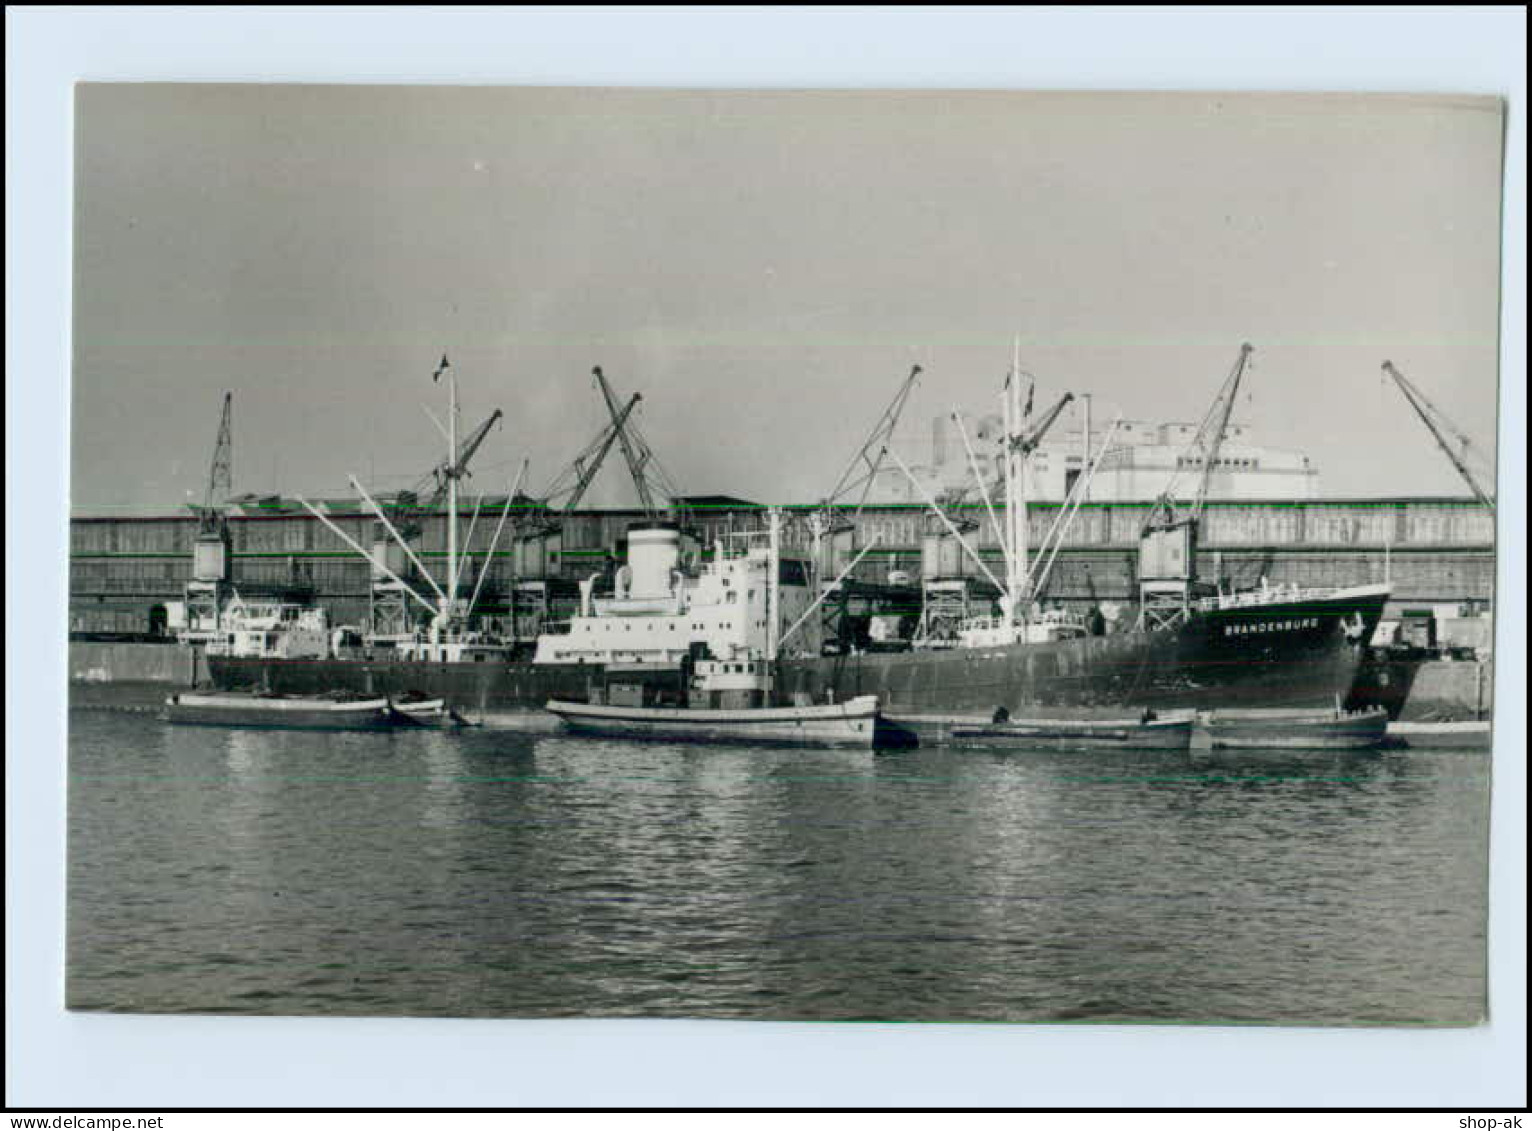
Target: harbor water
x,y
489,874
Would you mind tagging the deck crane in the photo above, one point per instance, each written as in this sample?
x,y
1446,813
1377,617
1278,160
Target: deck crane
x,y
409,508
392,616
1018,448
1167,548
1438,424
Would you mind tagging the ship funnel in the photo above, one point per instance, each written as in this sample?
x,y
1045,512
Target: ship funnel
x,y
654,553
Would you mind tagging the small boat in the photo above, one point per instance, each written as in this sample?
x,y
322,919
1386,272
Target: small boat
x,y
1282,729
419,706
297,712
724,703
418,709
1148,732
1461,735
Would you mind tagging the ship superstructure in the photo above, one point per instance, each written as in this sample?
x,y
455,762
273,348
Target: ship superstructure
x,y
660,612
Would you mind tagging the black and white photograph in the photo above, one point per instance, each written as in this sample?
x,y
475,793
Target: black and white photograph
x,y
856,556
765,558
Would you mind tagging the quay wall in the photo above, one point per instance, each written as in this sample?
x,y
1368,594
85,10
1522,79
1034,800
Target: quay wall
x,y
1452,690
175,664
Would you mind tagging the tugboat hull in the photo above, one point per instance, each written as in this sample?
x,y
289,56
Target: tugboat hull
x,y
838,724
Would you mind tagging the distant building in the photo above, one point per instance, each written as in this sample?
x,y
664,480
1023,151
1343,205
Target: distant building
x,y
1144,458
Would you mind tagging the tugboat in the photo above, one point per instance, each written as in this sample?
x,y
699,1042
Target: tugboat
x,y
724,702
721,698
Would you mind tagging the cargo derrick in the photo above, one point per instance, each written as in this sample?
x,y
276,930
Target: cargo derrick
x,y
391,616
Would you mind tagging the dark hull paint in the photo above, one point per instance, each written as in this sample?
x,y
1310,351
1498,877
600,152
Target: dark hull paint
x,y
250,717
1233,658
1242,657
1385,680
473,688
1042,735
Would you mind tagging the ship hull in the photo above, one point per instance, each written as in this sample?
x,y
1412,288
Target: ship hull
x,y
510,694
278,714
1280,730
841,724
1043,734
1300,653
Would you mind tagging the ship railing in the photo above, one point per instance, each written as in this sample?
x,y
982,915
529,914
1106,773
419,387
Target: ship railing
x,y
980,624
1252,598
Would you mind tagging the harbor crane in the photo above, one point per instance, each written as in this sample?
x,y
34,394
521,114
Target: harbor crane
x,y
1436,421
649,479
1026,443
831,521
1167,547
209,587
1201,454
869,457
634,450
220,477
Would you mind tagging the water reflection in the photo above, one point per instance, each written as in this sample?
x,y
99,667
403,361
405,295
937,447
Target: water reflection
x,y
494,874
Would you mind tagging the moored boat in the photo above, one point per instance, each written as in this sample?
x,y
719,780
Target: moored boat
x,y
427,712
1464,735
721,701
830,724
1144,733
246,709
1258,729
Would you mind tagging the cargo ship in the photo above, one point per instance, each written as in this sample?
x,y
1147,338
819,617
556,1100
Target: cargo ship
x,y
1193,645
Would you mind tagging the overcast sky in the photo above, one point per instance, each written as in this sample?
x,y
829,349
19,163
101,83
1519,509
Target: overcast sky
x,y
764,268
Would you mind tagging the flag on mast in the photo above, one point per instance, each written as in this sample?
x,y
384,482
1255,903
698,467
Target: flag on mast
x,y
1031,387
440,369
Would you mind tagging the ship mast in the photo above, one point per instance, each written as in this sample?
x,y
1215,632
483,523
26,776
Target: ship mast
x,y
773,598
1016,559
452,515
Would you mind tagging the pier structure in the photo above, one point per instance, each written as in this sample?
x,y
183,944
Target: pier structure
x,y
129,572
